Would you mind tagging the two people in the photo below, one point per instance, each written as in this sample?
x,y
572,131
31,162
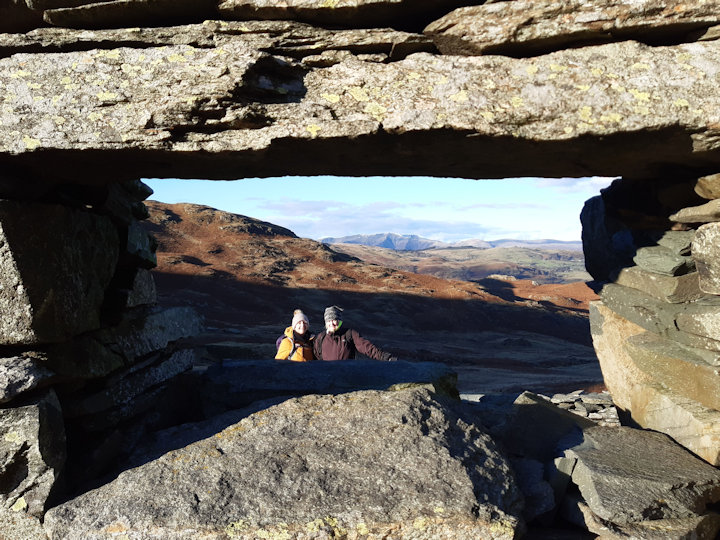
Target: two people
x,y
336,342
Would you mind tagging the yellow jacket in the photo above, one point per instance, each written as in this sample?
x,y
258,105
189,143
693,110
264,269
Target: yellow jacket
x,y
303,353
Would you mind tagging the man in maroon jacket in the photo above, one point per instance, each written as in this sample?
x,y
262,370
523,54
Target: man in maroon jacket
x,y
338,342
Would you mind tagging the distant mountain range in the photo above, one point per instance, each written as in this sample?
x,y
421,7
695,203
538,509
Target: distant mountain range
x,y
412,242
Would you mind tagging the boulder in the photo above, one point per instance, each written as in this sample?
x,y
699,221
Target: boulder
x,y
540,430
32,454
78,252
525,28
324,466
629,475
705,252
236,383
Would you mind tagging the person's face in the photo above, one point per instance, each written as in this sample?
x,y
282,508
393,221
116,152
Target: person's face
x,y
300,327
331,326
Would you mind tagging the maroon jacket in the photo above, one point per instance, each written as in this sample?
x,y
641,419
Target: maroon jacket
x,y
343,345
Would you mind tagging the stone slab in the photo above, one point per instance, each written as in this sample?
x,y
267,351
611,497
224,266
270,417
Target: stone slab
x,y
694,324
121,389
527,27
705,527
78,252
427,105
706,253
671,289
661,260
689,423
679,242
234,384
141,332
629,475
145,330
114,13
609,333
676,368
704,213
539,429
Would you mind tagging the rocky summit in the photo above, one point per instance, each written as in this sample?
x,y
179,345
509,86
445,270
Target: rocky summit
x,y
115,425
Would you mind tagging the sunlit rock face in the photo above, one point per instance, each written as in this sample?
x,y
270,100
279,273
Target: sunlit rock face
x,y
316,464
227,99
98,95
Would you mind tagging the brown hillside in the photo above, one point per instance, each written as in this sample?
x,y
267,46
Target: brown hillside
x,y
246,277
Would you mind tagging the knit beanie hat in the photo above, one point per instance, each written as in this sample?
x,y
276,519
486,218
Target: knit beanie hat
x,y
332,313
298,316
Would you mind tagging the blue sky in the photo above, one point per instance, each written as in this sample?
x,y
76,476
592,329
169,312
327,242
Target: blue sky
x,y
447,209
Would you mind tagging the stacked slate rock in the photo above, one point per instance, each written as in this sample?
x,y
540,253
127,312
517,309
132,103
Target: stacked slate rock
x,y
614,481
85,354
652,247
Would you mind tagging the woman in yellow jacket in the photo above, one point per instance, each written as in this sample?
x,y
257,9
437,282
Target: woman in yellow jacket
x,y
297,343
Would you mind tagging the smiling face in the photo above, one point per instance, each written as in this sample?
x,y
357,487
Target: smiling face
x,y
332,325
300,327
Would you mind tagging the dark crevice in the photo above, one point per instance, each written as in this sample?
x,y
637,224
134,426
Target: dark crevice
x,y
676,34
272,80
83,46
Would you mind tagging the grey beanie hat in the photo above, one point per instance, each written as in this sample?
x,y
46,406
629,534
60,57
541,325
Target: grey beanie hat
x,y
332,313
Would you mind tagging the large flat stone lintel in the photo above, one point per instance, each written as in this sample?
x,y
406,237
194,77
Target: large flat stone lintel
x,y
231,111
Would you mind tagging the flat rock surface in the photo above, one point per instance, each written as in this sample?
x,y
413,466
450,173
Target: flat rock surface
x,y
211,111
525,27
235,384
314,465
671,289
630,475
